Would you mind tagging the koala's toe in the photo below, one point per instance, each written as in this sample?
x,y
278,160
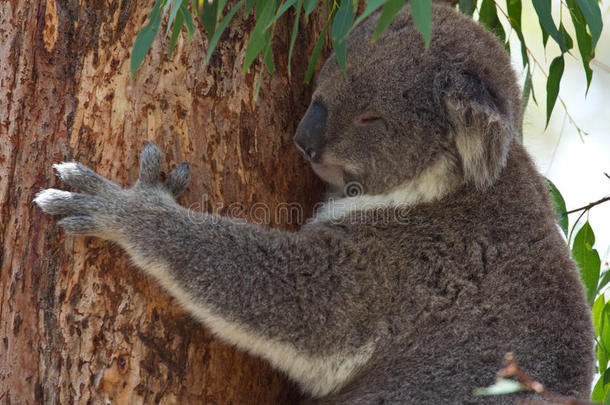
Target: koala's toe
x,y
178,179
59,202
80,225
82,178
150,165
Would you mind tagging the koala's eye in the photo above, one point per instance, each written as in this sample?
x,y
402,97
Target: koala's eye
x,y
368,118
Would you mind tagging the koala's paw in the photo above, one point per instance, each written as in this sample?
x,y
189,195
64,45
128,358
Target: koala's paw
x,y
106,207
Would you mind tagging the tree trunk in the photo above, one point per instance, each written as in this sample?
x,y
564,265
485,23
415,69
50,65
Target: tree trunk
x,y
78,323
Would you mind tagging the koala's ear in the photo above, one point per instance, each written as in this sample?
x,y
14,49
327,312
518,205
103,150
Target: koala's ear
x,y
481,120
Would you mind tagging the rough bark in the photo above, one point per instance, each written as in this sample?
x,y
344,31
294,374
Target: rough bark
x,y
78,323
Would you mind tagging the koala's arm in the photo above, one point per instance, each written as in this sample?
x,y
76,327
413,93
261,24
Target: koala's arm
x,y
301,300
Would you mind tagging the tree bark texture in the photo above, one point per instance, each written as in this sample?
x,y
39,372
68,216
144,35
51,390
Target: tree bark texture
x,y
78,323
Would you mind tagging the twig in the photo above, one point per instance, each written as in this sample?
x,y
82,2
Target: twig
x,y
512,370
589,206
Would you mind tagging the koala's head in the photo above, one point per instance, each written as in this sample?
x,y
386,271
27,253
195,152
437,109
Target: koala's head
x,y
403,114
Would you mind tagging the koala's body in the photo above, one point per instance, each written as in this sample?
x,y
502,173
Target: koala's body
x,y
411,291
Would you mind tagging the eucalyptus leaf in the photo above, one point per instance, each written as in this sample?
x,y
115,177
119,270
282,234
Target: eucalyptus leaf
x,y
587,259
295,31
590,9
221,27
552,85
313,60
390,9
178,23
560,207
468,6
543,9
342,22
422,17
145,37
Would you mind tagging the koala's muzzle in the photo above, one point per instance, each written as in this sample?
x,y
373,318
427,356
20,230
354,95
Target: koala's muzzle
x,y
309,136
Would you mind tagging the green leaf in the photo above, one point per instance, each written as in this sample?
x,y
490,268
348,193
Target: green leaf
x,y
208,16
567,39
422,17
598,313
371,6
309,6
145,37
500,387
268,55
342,23
391,8
543,9
560,207
313,60
259,37
552,85
467,6
514,8
528,87
172,15
178,23
584,40
599,392
281,11
188,19
258,86
587,259
488,16
221,27
590,9
293,37
604,279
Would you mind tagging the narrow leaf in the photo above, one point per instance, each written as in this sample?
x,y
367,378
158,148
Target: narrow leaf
x,y
488,16
514,17
259,37
543,9
145,37
584,40
560,207
178,23
422,17
281,11
371,6
592,13
172,15
221,27
467,6
342,23
391,8
587,259
309,6
293,37
315,54
208,16
188,19
552,85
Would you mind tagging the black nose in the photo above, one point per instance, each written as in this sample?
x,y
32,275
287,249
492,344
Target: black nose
x,y
309,137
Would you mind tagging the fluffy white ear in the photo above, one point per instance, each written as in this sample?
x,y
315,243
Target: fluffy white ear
x,y
482,123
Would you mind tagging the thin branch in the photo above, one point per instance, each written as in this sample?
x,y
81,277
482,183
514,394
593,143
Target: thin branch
x,y
589,206
512,370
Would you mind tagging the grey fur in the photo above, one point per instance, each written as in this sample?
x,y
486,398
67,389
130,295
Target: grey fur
x,y
413,299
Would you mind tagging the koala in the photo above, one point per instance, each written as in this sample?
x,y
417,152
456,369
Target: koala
x,y
436,253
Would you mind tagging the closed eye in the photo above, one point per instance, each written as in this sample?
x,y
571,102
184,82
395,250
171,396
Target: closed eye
x,y
367,119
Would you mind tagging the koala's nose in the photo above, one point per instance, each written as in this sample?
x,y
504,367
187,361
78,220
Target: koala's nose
x,y
309,137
